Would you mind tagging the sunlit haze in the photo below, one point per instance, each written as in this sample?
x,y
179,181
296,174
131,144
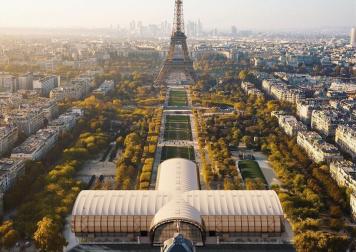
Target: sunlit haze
x,y
244,14
178,125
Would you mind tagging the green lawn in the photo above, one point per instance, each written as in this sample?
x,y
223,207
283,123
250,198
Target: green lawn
x,y
251,170
178,128
178,99
177,119
171,135
177,152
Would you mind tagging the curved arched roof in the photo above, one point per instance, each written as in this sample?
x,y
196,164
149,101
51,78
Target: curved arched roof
x,y
207,203
177,209
234,203
120,202
178,175
177,197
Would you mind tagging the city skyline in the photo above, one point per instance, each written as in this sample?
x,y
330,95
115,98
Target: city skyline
x,y
149,126
267,15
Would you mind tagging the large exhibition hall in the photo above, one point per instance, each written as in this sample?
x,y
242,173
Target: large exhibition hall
x,y
177,206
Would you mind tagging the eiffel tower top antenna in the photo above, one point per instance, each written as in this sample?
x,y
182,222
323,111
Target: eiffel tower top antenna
x,y
178,26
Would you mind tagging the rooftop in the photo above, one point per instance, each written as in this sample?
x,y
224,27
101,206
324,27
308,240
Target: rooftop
x,y
347,166
5,130
185,178
177,196
63,119
316,140
34,142
7,164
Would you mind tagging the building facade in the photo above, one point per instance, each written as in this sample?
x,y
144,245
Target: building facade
x,y
64,123
46,84
10,169
282,92
8,83
48,107
250,89
345,137
326,121
36,146
8,137
344,173
28,121
77,90
291,125
105,88
317,149
26,81
306,107
353,205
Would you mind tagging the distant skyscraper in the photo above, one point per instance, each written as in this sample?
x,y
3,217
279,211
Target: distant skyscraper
x,y
200,28
165,28
194,28
133,26
234,30
353,37
191,29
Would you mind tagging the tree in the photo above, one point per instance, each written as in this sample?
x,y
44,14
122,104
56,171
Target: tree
x,y
335,211
243,75
308,224
336,224
255,184
48,236
310,241
307,242
8,236
229,185
248,141
240,105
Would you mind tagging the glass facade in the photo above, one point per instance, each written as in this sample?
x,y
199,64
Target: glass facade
x,y
136,224
167,230
111,224
243,224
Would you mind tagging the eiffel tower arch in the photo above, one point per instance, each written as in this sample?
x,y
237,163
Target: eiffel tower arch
x,y
178,59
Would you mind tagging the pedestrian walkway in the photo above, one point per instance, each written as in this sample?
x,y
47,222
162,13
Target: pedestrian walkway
x,y
162,142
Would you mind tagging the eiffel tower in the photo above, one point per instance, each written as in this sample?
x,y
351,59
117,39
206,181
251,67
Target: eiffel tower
x,y
178,59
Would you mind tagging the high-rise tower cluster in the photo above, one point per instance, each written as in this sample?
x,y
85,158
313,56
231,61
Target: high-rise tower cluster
x,y
353,37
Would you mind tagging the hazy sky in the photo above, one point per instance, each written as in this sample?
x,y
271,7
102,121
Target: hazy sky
x,y
251,14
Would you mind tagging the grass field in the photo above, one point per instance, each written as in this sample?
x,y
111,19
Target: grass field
x,y
251,169
178,99
178,128
178,152
177,118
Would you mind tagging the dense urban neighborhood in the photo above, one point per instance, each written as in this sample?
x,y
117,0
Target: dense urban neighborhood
x,y
267,115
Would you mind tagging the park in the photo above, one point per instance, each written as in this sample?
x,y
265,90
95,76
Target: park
x,y
178,98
